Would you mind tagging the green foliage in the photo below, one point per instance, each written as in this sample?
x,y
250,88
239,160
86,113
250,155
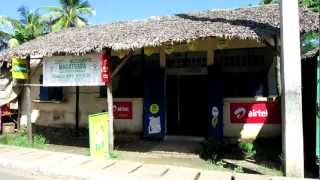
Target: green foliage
x,y
309,41
39,140
211,150
21,139
247,149
312,4
238,169
29,26
269,1
219,165
70,13
115,155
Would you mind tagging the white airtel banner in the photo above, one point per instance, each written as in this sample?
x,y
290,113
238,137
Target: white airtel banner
x,y
72,71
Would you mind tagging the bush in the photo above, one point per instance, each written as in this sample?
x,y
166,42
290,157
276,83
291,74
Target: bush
x,y
247,149
21,139
212,150
39,140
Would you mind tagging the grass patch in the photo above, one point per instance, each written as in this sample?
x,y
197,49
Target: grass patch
x,y
216,166
115,155
21,139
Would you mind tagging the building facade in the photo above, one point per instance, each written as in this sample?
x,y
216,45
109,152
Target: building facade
x,y
213,87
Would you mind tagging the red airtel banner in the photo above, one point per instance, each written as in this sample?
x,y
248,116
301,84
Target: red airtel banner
x,y
122,110
255,112
105,69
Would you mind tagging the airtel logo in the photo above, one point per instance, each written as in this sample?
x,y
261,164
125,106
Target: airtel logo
x,y
240,112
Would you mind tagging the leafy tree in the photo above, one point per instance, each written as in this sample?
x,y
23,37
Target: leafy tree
x,y
30,26
269,1
312,4
70,14
309,40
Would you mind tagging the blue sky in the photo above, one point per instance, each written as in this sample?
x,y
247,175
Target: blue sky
x,y
111,10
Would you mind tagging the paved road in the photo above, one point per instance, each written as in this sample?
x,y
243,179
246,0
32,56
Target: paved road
x,y
16,175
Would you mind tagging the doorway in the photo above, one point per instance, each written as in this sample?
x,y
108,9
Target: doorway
x,y
187,105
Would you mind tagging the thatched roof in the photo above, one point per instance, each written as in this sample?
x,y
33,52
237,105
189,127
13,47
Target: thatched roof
x,y
243,23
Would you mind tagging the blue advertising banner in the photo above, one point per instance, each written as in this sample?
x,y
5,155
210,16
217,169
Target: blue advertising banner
x,y
154,103
215,104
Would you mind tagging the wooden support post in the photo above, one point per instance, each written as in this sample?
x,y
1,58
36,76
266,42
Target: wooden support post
x,y
291,98
110,122
77,109
278,67
29,104
107,53
123,62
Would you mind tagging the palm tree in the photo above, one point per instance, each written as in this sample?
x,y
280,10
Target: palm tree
x,y
70,14
30,26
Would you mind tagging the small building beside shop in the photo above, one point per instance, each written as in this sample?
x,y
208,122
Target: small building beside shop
x,y
210,73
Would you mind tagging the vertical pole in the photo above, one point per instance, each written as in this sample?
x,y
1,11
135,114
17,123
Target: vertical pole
x,y
110,112
106,78
29,104
77,109
278,66
318,113
291,90
163,64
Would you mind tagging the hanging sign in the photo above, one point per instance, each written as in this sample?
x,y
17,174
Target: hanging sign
x,y
122,110
105,69
98,134
255,112
19,68
72,71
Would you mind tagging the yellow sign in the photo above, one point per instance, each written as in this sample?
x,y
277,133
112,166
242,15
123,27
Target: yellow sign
x,y
98,132
19,68
154,108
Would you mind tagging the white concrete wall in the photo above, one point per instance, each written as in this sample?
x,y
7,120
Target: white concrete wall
x,y
62,114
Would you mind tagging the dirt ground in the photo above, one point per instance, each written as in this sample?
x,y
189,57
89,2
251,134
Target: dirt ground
x,y
177,151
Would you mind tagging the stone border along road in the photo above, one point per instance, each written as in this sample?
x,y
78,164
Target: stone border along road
x,y
71,166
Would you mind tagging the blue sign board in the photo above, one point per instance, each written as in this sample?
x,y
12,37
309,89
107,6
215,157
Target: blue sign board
x,y
154,104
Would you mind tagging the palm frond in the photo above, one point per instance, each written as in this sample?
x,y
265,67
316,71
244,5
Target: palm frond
x,y
80,21
52,9
86,11
4,35
23,11
70,14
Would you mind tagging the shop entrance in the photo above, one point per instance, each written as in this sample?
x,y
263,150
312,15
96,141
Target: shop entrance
x,y
187,105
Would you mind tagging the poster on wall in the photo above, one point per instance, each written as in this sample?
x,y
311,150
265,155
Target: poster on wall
x,y
72,71
122,110
255,112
